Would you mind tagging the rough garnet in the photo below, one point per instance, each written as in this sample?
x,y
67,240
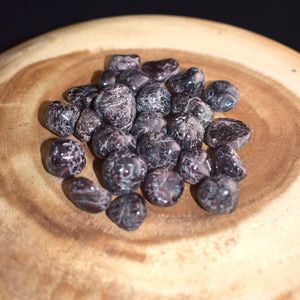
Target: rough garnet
x,y
89,196
117,105
190,82
61,118
107,77
161,70
228,162
183,103
128,211
123,172
218,194
86,124
221,95
121,62
227,131
135,79
195,165
65,158
158,150
107,139
187,131
163,187
83,96
154,97
149,122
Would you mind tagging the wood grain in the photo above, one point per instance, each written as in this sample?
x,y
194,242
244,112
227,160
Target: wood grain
x,y
51,250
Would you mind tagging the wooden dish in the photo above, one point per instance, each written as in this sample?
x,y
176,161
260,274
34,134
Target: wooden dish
x,y
52,250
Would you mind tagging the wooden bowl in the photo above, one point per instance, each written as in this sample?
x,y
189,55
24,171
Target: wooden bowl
x,y
52,250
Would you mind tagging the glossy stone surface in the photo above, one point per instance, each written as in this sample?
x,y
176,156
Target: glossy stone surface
x,y
121,62
149,122
65,158
187,131
108,77
86,124
221,95
218,194
163,187
107,139
83,96
161,70
89,196
189,82
61,118
228,162
183,103
154,97
194,165
158,150
227,131
117,105
123,172
128,211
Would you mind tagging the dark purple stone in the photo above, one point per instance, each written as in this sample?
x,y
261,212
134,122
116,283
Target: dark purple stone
x,y
107,139
108,77
228,162
86,124
227,131
187,131
218,194
161,70
61,118
163,187
154,97
128,211
117,105
123,172
195,165
121,62
65,158
89,196
221,95
189,82
83,96
158,150
149,122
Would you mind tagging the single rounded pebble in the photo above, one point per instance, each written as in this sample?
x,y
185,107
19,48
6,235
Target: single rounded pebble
x,y
89,196
65,158
128,211
190,82
227,131
149,122
218,194
195,165
163,187
135,79
154,97
161,70
183,103
86,124
123,172
107,139
83,96
187,131
228,162
117,105
108,77
158,150
221,95
121,62
61,118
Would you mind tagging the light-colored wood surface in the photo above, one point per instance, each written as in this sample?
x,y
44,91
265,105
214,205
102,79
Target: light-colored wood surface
x,y
51,250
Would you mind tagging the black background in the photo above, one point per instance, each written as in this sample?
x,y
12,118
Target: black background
x,y
24,19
